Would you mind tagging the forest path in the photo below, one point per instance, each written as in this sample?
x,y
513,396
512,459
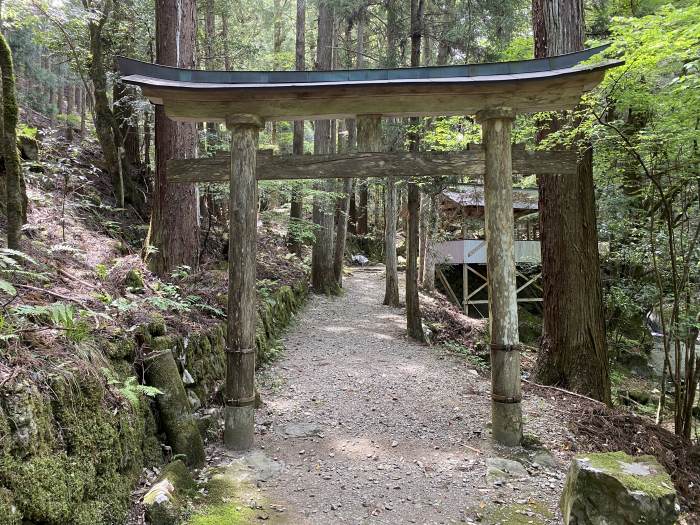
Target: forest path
x,y
374,428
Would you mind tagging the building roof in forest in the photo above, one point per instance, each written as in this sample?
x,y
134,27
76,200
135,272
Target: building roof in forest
x,y
472,196
524,86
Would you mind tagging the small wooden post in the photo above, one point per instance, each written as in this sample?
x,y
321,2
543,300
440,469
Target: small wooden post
x,y
465,266
239,411
503,308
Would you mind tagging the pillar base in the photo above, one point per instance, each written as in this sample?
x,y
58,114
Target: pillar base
x,y
507,423
239,427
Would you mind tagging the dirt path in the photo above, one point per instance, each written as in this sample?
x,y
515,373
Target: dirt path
x,y
373,428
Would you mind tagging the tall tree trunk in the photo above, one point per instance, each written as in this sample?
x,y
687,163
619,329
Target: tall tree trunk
x,y
14,201
413,315
343,204
322,275
362,227
391,291
277,41
225,36
341,220
428,282
83,111
69,112
573,351
210,64
296,208
102,113
147,143
423,235
174,218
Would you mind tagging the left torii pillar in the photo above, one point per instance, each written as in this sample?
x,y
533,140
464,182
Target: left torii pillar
x,y
239,410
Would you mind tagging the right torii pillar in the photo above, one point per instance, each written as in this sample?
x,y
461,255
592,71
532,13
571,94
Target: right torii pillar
x,y
506,393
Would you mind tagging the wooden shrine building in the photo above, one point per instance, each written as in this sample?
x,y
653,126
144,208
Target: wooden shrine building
x,y
463,208
244,100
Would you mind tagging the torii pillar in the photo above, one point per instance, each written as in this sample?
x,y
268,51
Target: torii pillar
x,y
506,392
239,395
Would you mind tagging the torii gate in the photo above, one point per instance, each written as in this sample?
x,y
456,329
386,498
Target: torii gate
x,y
244,100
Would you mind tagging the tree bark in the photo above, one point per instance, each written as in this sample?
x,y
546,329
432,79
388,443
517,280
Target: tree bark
x,y
423,236
174,218
14,201
322,274
225,37
413,316
210,64
428,282
297,198
391,291
102,112
573,352
362,227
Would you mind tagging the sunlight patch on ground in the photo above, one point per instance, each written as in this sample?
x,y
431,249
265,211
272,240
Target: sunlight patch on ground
x,y
283,405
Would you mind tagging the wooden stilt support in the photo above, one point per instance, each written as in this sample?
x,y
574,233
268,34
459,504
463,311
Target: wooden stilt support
x,y
465,267
506,391
465,288
239,411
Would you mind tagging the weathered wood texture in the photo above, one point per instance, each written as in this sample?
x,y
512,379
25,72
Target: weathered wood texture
x,y
346,101
503,308
240,366
468,163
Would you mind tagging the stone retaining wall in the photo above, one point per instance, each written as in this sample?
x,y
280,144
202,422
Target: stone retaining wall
x,y
74,441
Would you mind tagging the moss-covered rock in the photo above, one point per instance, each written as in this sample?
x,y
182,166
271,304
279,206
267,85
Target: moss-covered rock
x,y
27,418
173,406
165,500
618,489
134,280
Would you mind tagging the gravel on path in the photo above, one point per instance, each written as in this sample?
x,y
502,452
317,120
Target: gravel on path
x,y
372,427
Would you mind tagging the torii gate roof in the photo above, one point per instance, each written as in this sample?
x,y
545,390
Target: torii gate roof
x,y
525,86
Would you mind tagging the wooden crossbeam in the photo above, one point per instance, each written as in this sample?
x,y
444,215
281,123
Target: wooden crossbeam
x,y
446,284
468,163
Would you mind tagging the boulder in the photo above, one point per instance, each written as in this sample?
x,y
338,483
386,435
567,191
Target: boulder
x,y
500,469
614,488
28,148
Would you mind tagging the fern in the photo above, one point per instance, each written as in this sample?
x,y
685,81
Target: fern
x,y
130,389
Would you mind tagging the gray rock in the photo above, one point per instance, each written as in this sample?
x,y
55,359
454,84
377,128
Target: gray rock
x,y
195,403
187,378
614,488
28,148
499,469
254,466
544,458
299,430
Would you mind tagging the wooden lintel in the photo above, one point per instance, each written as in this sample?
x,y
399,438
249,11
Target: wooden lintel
x,y
397,164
